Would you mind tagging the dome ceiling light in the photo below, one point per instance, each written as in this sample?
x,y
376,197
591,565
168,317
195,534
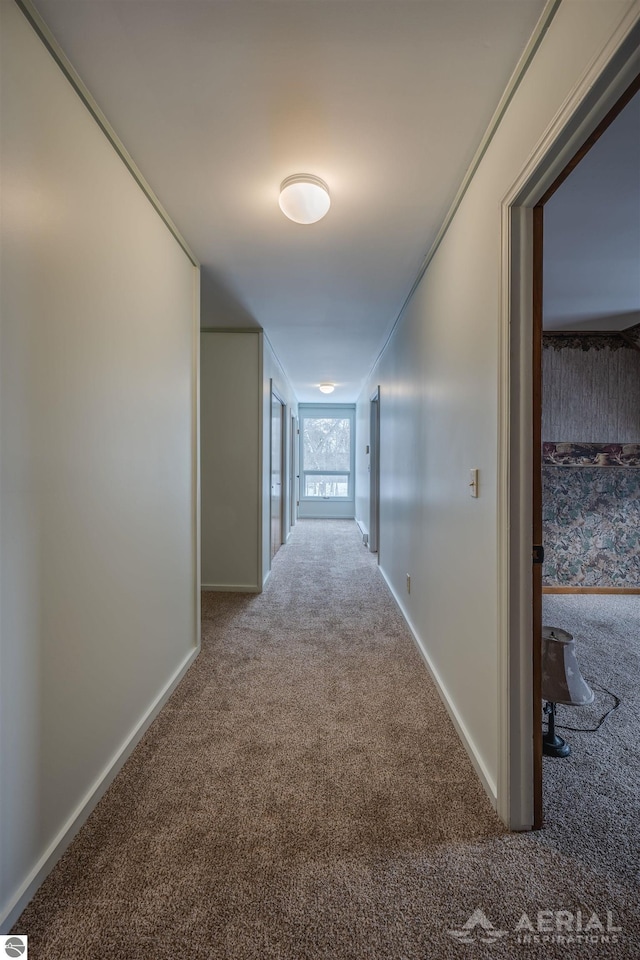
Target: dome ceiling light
x,y
304,198
327,387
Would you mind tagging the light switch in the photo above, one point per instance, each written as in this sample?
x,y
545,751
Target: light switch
x,y
473,482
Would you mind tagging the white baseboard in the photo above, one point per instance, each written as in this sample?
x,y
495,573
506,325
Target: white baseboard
x,y
488,782
326,516
230,588
58,846
363,530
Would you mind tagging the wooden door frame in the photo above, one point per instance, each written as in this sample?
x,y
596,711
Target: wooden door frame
x,y
583,118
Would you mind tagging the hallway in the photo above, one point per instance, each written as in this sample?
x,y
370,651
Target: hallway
x,y
304,795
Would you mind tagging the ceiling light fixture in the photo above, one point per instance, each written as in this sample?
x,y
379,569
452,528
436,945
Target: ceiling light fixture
x,y
304,198
327,387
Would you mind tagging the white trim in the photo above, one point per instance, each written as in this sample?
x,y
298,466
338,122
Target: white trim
x,y
327,404
57,847
307,515
601,85
283,444
373,542
40,27
514,512
195,454
362,527
266,577
461,729
503,511
262,577
291,474
231,588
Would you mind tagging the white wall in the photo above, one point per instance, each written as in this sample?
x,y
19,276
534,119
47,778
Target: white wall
x,y
273,374
230,402
98,478
239,370
439,392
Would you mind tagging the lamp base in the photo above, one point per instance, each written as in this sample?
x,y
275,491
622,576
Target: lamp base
x,y
555,746
552,744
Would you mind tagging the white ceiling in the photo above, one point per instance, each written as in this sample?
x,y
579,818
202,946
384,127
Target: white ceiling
x,y
592,235
219,100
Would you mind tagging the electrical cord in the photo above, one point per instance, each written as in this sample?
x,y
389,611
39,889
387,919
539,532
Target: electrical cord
x,y
616,704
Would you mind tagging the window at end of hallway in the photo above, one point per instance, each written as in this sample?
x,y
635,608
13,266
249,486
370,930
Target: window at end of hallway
x,y
326,455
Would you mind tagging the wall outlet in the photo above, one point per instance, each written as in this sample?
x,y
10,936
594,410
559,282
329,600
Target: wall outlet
x,y
408,583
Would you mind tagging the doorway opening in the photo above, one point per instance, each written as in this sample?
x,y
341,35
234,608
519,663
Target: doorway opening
x,y
327,461
374,474
578,125
586,509
293,471
277,471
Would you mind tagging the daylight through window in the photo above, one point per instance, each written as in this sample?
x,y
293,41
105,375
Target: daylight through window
x,y
326,456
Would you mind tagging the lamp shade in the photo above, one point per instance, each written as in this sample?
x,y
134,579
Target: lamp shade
x,y
562,681
326,387
304,198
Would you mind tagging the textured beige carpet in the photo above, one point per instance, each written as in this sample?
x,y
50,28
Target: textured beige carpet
x,y
303,796
593,796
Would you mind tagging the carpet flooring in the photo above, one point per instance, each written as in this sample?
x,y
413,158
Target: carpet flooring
x,y
592,797
303,796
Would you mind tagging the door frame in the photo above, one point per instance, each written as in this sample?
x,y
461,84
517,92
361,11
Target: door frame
x,y
519,504
374,472
283,421
293,456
